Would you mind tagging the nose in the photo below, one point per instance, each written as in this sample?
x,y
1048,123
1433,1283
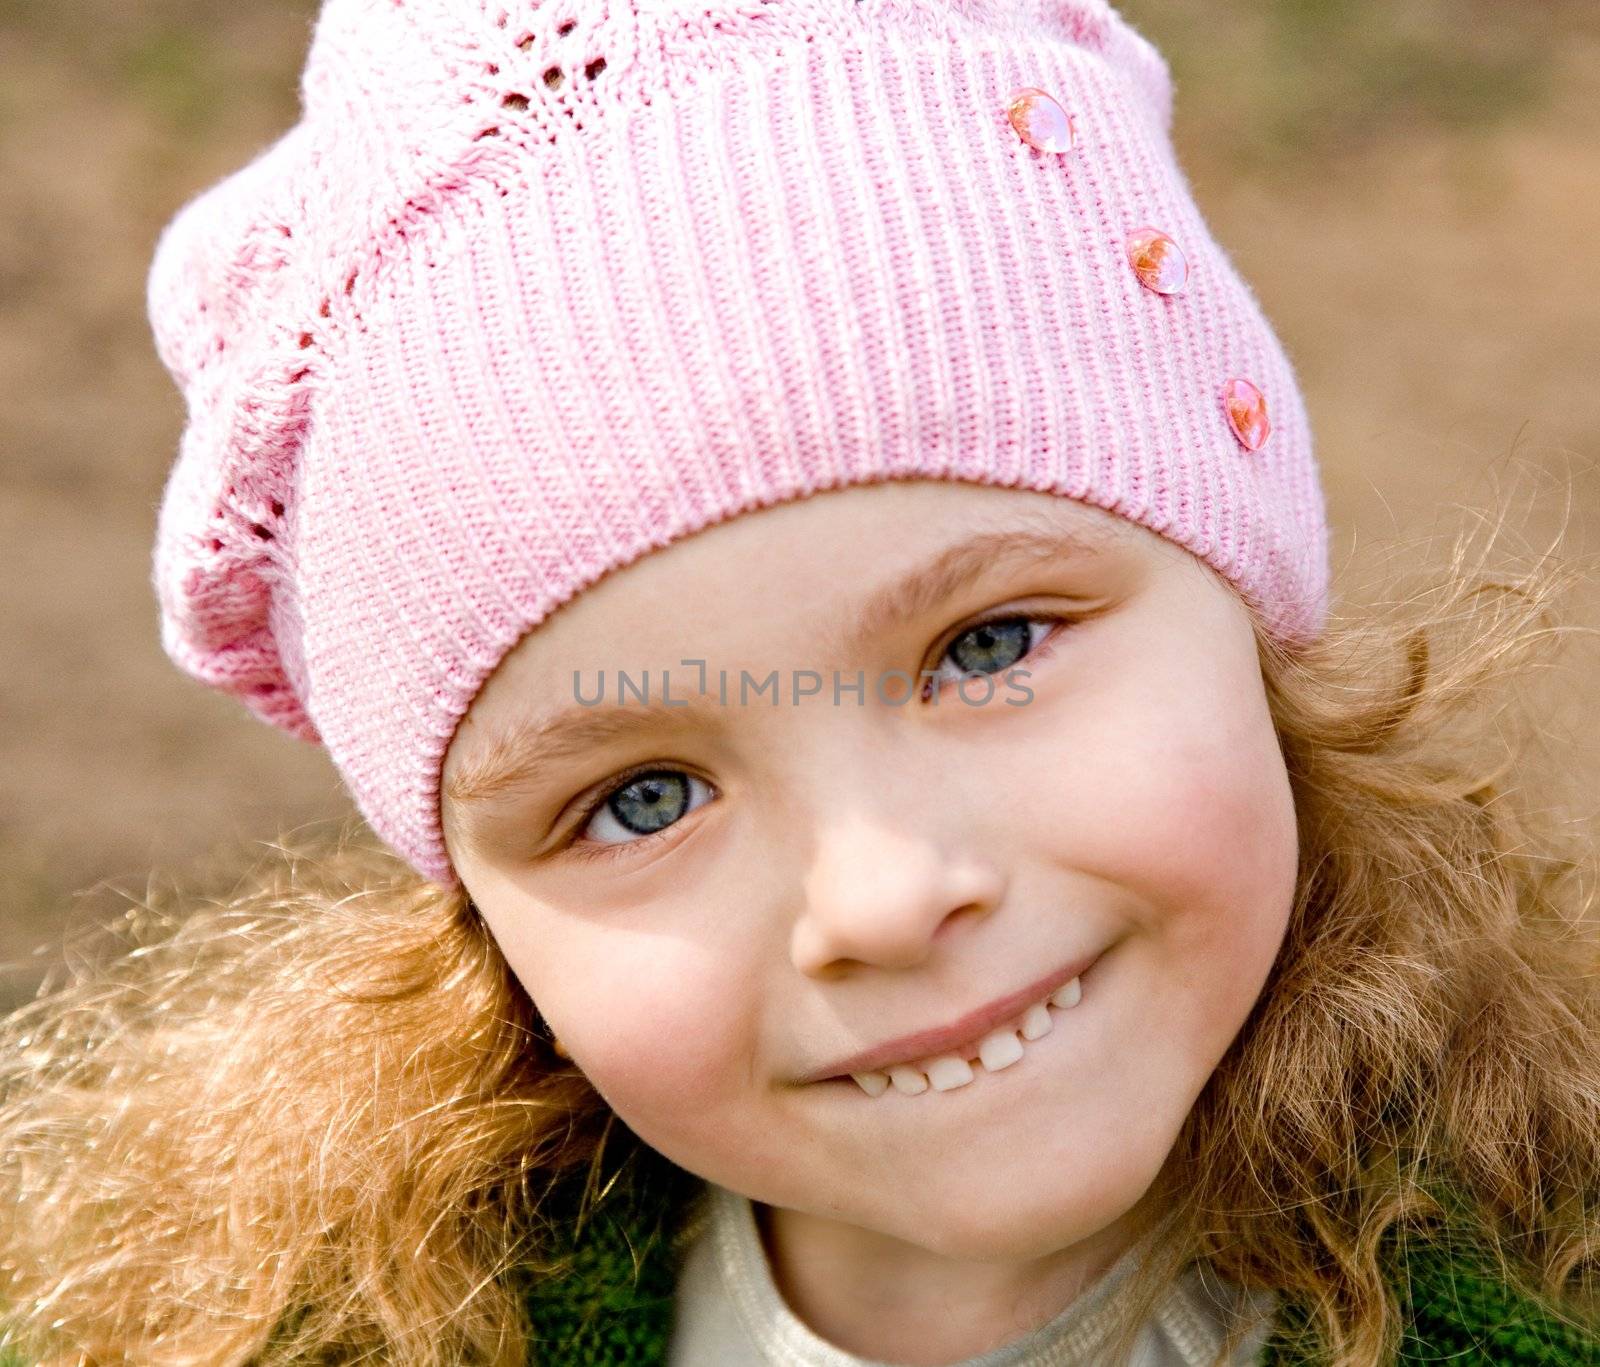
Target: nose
x,y
877,892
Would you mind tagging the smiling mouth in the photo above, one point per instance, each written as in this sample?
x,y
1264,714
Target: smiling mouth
x,y
997,1050
944,1067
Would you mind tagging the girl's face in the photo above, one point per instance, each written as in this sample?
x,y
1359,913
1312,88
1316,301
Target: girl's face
x,y
810,874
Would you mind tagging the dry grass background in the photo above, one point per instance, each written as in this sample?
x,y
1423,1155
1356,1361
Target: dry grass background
x,y
1412,187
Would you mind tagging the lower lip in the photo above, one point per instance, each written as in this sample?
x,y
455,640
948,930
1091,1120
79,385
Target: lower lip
x,y
1063,1021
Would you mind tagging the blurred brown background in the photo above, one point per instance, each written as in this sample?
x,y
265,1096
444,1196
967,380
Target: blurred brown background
x,y
1412,187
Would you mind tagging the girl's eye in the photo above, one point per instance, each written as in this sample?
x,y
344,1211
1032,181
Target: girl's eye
x,y
648,803
643,806
992,647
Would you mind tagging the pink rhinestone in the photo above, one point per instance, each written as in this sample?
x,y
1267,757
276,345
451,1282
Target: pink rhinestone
x,y
1040,121
1157,261
1246,407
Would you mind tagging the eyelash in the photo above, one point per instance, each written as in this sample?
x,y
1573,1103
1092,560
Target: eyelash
x,y
579,848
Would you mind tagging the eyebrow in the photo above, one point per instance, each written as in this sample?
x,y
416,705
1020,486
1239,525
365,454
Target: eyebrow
x,y
572,732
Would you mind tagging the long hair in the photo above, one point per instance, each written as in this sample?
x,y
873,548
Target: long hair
x,y
316,1118
1422,1067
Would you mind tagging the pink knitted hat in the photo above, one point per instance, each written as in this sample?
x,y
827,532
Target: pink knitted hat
x,y
534,288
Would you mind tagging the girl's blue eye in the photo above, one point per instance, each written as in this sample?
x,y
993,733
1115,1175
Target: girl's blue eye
x,y
646,804
991,647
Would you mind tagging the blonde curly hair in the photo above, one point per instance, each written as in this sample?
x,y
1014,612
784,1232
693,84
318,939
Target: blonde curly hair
x,y
317,1119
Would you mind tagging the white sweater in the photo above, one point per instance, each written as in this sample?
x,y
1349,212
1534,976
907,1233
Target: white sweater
x,y
728,1312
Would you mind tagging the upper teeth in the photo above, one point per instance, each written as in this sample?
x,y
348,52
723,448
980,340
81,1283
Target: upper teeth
x,y
998,1049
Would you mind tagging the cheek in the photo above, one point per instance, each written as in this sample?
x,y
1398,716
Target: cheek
x,y
1223,869
1221,816
662,1026
1182,800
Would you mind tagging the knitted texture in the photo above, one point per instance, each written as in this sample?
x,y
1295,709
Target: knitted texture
x,y
531,290
615,1308
612,1302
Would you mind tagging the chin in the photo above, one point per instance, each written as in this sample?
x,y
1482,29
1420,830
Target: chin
x,y
985,1228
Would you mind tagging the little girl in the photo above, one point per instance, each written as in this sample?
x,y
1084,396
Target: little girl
x,y
811,560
